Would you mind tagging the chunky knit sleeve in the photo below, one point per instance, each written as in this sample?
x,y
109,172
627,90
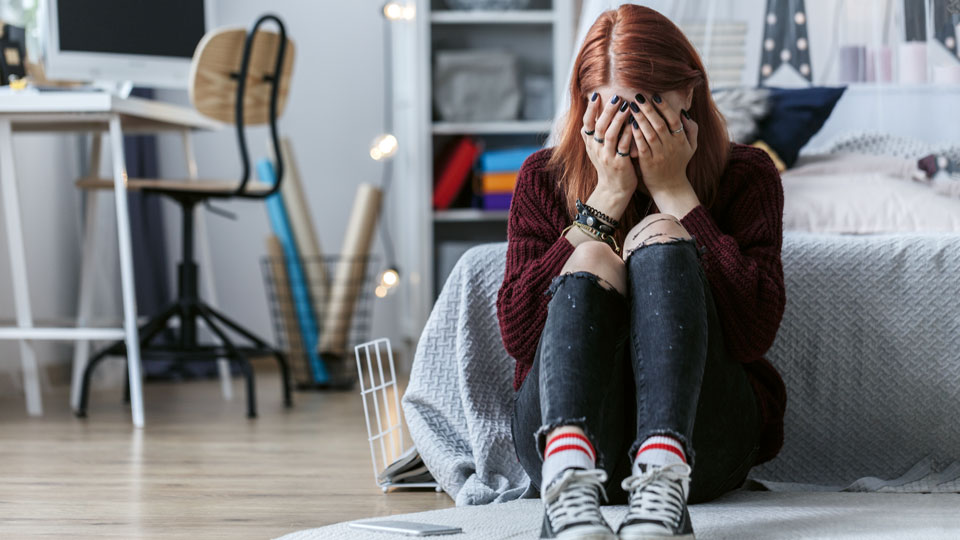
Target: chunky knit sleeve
x,y
742,257
535,254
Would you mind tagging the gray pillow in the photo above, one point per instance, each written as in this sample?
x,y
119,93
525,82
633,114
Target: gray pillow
x,y
742,107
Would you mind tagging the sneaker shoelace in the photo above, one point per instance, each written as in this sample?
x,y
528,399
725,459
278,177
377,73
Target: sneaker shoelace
x,y
574,498
657,494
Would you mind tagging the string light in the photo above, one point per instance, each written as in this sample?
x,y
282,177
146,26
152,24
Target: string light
x,y
397,11
388,282
383,147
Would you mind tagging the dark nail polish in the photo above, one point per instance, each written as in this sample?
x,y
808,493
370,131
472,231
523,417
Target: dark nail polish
x,y
640,99
615,99
624,106
635,124
595,96
685,114
634,107
656,98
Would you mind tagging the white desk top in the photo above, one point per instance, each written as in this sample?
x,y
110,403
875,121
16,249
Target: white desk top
x,y
81,111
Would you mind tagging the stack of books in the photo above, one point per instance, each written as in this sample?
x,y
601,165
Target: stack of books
x,y
497,170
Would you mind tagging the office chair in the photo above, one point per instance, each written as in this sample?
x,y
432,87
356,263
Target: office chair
x,y
242,78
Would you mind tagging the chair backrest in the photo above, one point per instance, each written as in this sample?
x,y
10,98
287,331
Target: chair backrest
x,y
216,64
217,91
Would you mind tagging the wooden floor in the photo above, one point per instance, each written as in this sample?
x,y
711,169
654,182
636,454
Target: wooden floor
x,y
200,469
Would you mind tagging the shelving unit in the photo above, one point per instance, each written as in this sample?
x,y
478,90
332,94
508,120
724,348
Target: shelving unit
x,y
429,241
526,16
523,127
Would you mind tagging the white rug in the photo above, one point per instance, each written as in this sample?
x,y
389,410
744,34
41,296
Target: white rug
x,y
737,515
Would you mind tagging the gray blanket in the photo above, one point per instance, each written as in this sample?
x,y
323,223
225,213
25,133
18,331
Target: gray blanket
x,y
869,349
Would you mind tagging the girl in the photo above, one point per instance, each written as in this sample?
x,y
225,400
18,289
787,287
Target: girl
x,y
639,325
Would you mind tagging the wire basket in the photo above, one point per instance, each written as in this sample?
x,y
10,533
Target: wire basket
x,y
320,308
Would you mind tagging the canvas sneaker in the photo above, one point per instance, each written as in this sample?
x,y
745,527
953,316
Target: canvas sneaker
x,y
657,507
572,507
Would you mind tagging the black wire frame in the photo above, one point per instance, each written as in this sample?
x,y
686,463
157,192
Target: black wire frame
x,y
287,334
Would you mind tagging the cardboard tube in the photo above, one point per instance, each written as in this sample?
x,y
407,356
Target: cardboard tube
x,y
304,234
299,364
350,270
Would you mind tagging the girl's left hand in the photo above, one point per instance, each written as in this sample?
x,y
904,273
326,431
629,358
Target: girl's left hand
x,y
663,155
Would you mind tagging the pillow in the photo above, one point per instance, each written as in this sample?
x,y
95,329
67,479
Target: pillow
x,y
796,114
864,194
781,166
741,107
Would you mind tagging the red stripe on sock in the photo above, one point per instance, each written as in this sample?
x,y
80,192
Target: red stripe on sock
x,y
662,446
574,436
563,447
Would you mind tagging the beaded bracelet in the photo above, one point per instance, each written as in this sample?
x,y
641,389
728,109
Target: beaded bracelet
x,y
595,234
584,208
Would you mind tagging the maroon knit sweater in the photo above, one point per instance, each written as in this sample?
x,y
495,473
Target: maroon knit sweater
x,y
742,234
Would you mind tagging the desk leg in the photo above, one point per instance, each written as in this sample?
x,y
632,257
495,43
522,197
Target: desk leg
x,y
81,348
18,266
126,271
206,263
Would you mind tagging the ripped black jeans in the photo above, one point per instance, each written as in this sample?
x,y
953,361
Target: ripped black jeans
x,y
625,368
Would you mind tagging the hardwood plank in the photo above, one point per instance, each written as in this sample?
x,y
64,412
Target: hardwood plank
x,y
200,469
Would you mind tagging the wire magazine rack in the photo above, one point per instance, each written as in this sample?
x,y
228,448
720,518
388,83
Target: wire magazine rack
x,y
338,328
381,397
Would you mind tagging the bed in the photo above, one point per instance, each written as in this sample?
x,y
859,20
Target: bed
x,y
869,350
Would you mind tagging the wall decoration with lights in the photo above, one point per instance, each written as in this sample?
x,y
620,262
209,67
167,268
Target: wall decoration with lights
x,y
785,41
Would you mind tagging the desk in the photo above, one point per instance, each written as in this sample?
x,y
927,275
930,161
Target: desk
x,y
99,113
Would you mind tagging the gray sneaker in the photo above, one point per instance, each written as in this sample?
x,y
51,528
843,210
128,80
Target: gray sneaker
x,y
572,507
658,504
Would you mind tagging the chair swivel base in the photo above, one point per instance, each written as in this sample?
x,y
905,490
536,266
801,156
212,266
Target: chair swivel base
x,y
185,348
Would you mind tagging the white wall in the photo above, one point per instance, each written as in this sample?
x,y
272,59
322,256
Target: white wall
x,y
334,111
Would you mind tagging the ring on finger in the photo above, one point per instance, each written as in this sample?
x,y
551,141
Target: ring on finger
x,y
591,132
598,139
623,154
677,130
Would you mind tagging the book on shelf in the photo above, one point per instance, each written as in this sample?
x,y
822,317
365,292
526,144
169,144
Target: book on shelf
x,y
506,159
498,182
453,172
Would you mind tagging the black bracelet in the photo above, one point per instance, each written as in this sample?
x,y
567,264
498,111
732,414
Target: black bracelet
x,y
586,208
594,223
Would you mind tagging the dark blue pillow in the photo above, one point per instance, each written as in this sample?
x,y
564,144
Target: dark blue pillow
x,y
796,115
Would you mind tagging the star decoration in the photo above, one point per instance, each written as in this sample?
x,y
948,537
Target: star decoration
x,y
785,39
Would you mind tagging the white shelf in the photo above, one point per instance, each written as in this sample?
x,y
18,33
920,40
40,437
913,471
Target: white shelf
x,y
465,215
528,16
492,128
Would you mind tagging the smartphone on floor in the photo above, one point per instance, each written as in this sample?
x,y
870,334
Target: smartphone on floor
x,y
410,528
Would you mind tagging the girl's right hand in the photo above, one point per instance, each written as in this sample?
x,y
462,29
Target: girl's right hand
x,y
616,174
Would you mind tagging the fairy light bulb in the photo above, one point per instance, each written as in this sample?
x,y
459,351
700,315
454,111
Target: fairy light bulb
x,y
390,277
399,11
383,147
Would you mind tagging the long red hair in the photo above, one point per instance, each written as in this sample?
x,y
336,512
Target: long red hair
x,y
640,48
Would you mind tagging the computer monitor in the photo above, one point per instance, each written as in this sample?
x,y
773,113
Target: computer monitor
x,y
146,42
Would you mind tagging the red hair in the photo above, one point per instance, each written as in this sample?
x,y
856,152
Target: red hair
x,y
640,48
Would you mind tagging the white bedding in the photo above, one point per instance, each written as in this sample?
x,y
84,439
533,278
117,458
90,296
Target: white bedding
x,y
864,184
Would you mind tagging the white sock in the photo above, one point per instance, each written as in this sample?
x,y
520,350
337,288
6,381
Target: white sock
x,y
565,451
659,450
